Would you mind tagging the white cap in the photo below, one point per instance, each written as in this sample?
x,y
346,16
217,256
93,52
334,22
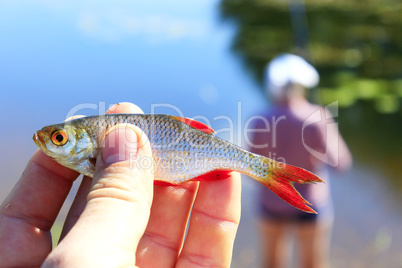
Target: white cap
x,y
288,69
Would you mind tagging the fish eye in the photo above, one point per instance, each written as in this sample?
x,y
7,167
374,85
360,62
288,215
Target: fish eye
x,y
59,137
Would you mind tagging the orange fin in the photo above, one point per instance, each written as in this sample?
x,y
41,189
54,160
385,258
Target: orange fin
x,y
213,175
210,176
281,179
285,190
194,124
296,174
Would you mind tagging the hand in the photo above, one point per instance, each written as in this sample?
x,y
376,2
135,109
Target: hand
x,y
111,222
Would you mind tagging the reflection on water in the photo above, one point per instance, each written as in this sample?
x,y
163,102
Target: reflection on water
x,y
376,141
367,224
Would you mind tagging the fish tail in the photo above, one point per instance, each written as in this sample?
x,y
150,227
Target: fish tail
x,y
280,178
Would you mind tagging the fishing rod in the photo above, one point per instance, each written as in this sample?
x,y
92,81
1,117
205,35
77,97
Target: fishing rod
x,y
300,29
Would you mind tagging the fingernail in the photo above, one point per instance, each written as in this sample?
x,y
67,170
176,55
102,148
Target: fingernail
x,y
124,107
120,144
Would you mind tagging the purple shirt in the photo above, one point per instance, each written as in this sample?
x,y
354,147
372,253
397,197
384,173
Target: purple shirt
x,y
284,135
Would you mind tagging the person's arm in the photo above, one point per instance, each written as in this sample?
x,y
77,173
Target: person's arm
x,y
331,143
341,152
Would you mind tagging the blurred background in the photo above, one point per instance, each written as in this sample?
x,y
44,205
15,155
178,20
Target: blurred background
x,y
205,59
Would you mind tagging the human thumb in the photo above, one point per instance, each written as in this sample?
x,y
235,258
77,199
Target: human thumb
x,y
118,208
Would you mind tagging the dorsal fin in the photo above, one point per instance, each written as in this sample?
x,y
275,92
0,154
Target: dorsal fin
x,y
194,124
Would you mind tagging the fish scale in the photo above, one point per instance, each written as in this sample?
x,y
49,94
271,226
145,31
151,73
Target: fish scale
x,y
182,150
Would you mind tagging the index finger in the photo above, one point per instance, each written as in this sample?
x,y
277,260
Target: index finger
x,y
29,211
213,224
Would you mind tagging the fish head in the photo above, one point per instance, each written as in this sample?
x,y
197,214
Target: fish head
x,y
68,145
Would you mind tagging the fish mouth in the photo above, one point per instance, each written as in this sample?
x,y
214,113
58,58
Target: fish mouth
x,y
38,138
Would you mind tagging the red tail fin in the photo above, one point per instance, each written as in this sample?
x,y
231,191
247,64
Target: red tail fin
x,y
280,181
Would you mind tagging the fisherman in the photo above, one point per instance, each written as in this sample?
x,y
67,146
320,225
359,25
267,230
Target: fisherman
x,y
305,135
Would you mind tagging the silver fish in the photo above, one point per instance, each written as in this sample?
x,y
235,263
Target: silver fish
x,y
183,149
